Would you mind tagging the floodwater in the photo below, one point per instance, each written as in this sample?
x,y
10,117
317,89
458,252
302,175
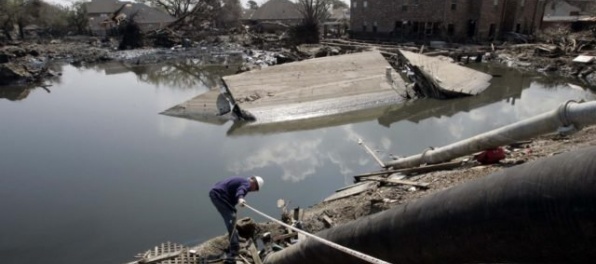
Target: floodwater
x,y
91,173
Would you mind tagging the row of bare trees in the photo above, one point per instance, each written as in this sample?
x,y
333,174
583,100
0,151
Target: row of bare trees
x,y
16,15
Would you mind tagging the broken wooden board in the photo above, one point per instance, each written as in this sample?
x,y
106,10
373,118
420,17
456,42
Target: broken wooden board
x,y
450,77
327,220
355,189
284,236
254,253
396,181
409,171
316,87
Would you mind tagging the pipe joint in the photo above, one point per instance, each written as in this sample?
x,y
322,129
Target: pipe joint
x,y
423,158
568,126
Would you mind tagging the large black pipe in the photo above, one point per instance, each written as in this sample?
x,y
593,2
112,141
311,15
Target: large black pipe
x,y
540,212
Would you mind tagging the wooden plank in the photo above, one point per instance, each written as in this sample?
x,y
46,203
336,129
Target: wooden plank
x,y
254,253
396,181
408,171
351,191
161,257
284,237
349,186
328,221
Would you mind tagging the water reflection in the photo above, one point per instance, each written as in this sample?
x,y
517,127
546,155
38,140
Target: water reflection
x,y
21,92
507,88
15,93
184,74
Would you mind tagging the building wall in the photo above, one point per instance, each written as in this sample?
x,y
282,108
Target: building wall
x,y
454,20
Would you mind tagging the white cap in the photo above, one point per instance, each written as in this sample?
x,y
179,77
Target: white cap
x,y
259,181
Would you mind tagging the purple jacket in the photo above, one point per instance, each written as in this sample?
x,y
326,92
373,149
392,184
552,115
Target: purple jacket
x,y
232,189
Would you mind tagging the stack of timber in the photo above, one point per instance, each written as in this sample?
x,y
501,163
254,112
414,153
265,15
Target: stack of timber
x,y
167,253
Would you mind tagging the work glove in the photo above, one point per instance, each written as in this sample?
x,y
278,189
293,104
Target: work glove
x,y
241,202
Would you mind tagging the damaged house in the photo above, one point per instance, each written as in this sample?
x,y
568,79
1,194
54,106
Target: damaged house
x,y
274,15
148,18
575,15
451,20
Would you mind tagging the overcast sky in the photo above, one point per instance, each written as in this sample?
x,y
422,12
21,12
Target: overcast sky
x,y
71,1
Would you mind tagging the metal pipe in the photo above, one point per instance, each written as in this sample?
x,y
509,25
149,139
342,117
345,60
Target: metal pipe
x,y
570,115
372,153
539,212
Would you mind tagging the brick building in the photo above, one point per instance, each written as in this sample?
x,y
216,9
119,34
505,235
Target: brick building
x,y
452,20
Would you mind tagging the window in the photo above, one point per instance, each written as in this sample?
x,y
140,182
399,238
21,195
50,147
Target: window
x,y
453,4
355,4
450,30
365,4
428,28
495,2
364,26
375,27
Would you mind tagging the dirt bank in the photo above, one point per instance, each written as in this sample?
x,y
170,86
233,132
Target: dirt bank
x,y
385,197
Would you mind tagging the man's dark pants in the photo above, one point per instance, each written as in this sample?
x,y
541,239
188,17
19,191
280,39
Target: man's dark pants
x,y
228,212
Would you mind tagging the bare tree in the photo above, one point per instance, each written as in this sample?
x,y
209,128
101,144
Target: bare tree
x,y
176,8
252,5
230,14
17,12
314,12
77,17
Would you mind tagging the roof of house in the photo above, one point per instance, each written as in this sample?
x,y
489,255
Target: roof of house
x,y
277,10
340,14
248,13
145,13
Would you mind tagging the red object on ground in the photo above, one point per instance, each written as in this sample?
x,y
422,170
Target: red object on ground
x,y
491,156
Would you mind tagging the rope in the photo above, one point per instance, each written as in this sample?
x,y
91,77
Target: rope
x,y
352,252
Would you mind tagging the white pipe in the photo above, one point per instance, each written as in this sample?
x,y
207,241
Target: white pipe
x,y
570,115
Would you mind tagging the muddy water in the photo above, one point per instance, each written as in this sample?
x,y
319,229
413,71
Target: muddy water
x,y
90,172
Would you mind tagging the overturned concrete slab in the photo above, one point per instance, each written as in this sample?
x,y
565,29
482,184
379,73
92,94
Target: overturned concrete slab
x,y
315,87
303,90
439,78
